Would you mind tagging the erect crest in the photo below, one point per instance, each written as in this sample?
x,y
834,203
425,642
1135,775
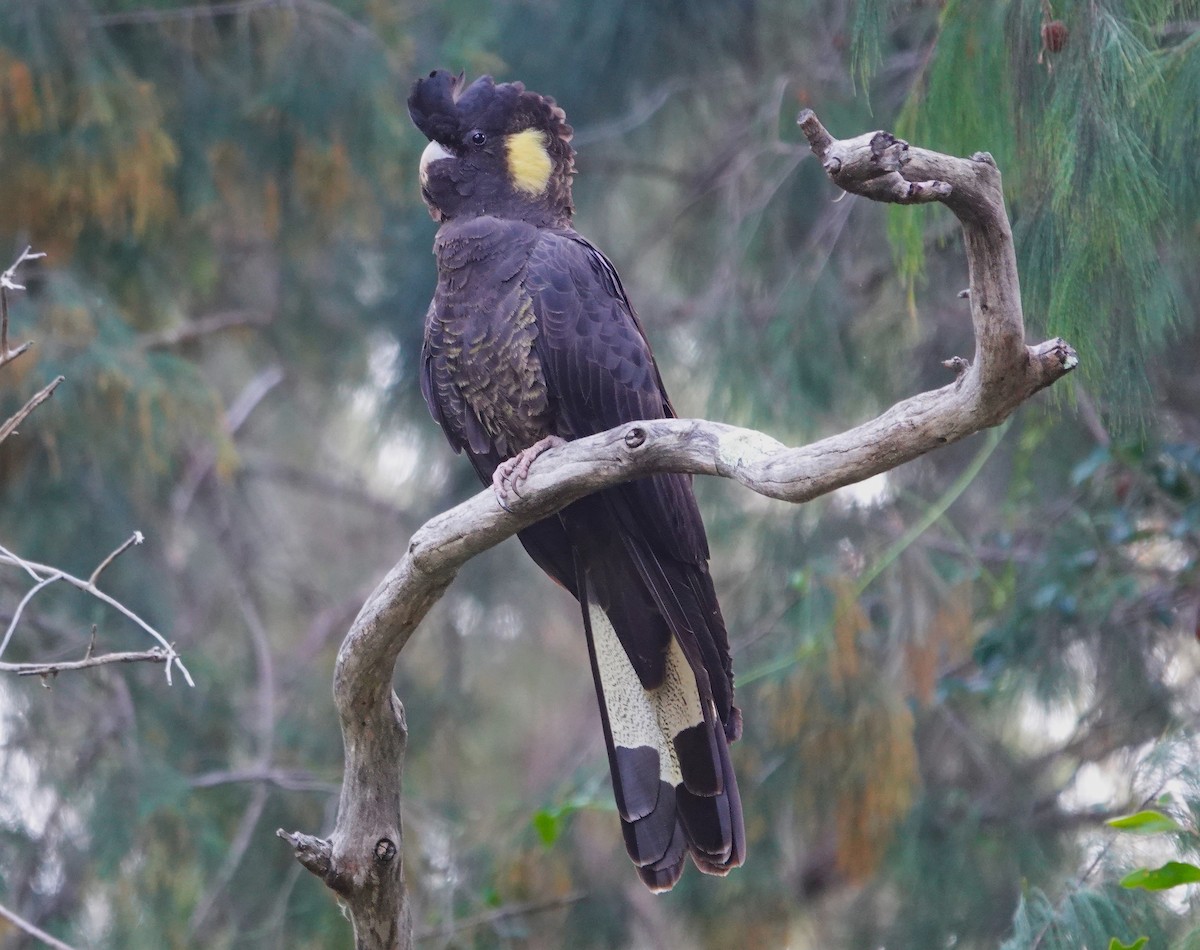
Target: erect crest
x,y
445,111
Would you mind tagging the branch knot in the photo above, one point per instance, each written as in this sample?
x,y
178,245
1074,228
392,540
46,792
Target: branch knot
x,y
385,850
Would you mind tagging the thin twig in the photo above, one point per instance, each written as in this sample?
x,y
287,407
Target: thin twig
x,y
153,655
203,461
16,617
47,574
8,281
198,11
251,395
292,780
526,909
11,558
201,327
36,932
136,538
305,479
265,718
10,426
242,838
7,355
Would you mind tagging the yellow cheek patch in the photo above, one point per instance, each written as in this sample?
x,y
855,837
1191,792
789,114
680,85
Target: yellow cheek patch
x,y
529,163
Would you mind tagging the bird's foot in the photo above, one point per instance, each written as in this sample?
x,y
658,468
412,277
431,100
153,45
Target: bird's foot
x,y
509,474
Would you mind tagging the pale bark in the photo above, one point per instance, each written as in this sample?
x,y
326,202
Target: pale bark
x,y
362,861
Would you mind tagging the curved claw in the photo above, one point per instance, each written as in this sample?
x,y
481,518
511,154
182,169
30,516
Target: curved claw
x,y
500,479
509,474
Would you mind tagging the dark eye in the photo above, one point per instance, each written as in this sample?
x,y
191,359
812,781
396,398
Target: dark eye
x,y
478,138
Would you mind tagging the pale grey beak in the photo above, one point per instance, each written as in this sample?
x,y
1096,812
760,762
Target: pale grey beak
x,y
433,153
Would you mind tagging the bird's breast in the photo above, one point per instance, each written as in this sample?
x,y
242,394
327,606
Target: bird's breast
x,y
482,331
489,358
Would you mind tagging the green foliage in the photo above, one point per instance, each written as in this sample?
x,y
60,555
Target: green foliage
x,y
1083,918
1093,146
1171,874
870,27
1145,822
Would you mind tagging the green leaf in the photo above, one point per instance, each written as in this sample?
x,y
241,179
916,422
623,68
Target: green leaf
x,y
1146,822
1171,874
1116,944
548,824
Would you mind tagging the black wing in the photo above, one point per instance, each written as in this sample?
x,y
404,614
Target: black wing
x,y
642,578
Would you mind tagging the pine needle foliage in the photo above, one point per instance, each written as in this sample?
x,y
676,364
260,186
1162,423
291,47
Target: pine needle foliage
x,y
1093,141
1081,919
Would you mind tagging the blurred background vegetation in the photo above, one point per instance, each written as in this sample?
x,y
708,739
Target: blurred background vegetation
x,y
951,676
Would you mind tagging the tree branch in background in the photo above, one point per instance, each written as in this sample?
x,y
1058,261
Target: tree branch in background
x,y
10,424
362,860
202,327
8,281
498,914
42,575
36,932
156,655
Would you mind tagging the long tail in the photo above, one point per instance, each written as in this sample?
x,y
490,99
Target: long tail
x,y
651,646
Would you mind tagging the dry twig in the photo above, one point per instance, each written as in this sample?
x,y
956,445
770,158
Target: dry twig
x,y
10,424
498,914
45,575
42,575
36,932
202,327
155,655
8,281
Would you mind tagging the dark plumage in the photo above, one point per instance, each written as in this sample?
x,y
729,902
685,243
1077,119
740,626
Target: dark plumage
x,y
530,334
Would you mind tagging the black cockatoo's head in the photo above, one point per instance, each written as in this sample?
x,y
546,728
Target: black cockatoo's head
x,y
494,148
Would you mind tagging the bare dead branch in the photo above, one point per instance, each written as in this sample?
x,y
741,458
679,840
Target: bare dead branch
x,y
8,281
154,655
251,395
10,425
7,355
265,717
11,558
313,853
358,860
136,538
203,462
43,575
29,595
524,909
46,575
202,327
238,846
292,780
36,932
329,488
